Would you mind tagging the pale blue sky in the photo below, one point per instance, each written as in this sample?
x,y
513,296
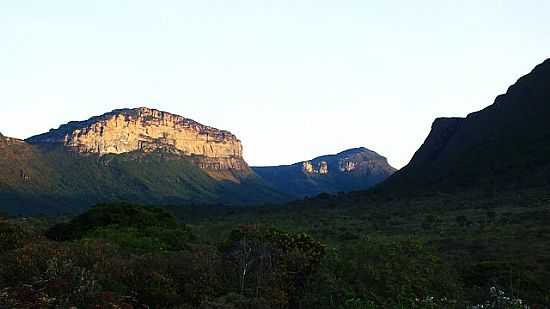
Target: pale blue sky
x,y
292,79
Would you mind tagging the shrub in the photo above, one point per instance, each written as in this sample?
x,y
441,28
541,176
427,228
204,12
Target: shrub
x,y
394,273
124,215
272,264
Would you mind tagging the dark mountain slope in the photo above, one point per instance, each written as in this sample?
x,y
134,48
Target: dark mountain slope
x,y
353,169
505,146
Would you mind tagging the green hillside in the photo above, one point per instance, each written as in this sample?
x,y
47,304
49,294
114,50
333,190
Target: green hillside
x,y
52,180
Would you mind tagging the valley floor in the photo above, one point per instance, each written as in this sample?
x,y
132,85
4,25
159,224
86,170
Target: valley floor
x,y
328,252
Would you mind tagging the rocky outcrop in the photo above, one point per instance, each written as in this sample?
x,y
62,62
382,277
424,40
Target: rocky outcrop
x,y
149,130
346,166
4,140
308,168
321,168
144,129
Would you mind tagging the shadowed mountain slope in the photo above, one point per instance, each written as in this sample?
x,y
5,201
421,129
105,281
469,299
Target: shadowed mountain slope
x,y
505,146
353,169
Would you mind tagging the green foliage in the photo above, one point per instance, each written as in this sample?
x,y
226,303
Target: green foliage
x,y
64,182
104,215
272,264
396,273
236,301
14,236
340,257
149,239
461,220
431,222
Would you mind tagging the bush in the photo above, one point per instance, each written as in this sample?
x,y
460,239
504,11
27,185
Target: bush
x,y
396,273
123,215
147,239
271,264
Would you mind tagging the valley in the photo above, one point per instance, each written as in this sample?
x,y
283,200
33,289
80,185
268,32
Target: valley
x,y
140,208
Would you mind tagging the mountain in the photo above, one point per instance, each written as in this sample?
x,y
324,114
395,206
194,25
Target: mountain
x,y
217,152
503,147
140,155
353,169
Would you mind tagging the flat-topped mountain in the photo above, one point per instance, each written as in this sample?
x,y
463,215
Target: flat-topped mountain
x,y
138,155
126,130
353,169
504,146
148,130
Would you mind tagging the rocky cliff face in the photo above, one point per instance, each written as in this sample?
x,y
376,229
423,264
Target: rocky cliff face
x,y
149,130
4,140
321,168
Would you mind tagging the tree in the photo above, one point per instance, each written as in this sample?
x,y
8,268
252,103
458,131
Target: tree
x,y
272,264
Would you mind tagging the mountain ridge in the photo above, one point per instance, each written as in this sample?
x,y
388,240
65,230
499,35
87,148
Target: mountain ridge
x,y
348,170
505,145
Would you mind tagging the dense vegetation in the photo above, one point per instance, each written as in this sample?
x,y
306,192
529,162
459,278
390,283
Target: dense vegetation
x,y
390,254
53,181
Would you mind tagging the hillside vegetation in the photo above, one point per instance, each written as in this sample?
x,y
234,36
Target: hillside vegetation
x,y
53,181
416,254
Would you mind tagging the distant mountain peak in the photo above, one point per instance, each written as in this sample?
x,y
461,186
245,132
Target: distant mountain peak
x,y
353,151
351,169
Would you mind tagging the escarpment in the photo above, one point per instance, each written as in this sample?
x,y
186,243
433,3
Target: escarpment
x,y
149,130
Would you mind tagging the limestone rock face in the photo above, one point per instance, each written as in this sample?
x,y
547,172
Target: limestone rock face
x,y
148,130
323,168
4,140
346,165
308,168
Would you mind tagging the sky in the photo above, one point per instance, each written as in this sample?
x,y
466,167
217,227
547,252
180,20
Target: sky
x,y
292,79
